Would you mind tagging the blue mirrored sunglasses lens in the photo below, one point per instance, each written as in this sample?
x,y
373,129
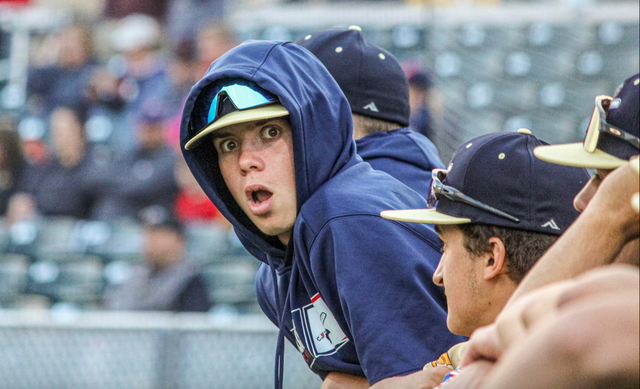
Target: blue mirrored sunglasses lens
x,y
243,97
213,109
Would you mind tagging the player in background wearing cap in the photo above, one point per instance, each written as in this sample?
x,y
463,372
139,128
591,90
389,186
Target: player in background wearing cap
x,y
499,208
267,134
607,230
579,333
378,93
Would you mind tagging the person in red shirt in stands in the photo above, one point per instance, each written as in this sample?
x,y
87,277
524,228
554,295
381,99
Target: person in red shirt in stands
x,y
192,204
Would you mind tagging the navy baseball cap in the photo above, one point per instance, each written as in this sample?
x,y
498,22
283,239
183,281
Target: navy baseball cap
x,y
500,171
604,147
370,77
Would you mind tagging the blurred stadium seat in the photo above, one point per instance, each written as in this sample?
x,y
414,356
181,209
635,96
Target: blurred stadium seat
x,y
206,241
13,277
78,281
232,281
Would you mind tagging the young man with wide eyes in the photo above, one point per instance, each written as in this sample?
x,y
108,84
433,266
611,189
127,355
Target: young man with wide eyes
x,y
267,134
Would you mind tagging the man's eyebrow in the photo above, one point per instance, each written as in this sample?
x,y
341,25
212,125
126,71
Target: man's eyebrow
x,y
224,132
220,134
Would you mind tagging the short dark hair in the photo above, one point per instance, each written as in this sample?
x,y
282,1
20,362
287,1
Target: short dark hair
x,y
369,125
522,248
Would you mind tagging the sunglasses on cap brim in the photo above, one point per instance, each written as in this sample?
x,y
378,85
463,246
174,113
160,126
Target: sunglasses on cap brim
x,y
438,188
241,97
598,125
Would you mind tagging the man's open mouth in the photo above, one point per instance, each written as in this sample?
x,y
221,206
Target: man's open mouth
x,y
260,195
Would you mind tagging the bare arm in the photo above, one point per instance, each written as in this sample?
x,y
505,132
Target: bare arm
x,y
337,380
593,342
424,379
596,238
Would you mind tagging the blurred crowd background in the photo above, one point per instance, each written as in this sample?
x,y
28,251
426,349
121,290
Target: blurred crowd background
x,y
91,94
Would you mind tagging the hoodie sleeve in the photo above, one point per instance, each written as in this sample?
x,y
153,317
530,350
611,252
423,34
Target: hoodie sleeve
x,y
376,277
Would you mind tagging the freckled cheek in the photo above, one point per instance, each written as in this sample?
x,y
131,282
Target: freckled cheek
x,y
232,179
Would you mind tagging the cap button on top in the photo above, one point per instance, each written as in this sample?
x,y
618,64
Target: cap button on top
x,y
354,27
524,131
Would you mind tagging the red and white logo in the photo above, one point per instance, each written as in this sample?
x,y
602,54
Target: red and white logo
x,y
320,330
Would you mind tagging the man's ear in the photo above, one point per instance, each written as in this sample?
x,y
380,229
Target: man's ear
x,y
495,262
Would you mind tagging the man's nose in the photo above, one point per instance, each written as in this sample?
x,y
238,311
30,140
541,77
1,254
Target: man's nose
x,y
250,157
438,277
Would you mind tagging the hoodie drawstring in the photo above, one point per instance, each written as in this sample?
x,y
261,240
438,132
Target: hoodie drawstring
x,y
279,366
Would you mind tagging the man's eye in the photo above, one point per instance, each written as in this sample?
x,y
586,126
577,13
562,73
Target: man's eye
x,y
270,132
228,145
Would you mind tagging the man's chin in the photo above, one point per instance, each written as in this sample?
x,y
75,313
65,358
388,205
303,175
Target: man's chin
x,y
457,328
282,233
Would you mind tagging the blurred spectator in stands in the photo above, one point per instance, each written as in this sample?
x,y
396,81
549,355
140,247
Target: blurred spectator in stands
x,y
117,9
65,82
186,17
183,73
144,176
36,150
20,207
134,76
192,204
166,281
66,186
12,164
211,42
428,115
419,84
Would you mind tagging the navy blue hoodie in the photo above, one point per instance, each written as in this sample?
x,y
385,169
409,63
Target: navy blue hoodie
x,y
354,291
404,154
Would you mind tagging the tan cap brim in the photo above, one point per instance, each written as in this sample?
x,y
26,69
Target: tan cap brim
x,y
430,216
573,154
635,164
249,115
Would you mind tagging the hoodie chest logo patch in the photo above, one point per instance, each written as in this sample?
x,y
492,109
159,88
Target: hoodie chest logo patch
x,y
320,332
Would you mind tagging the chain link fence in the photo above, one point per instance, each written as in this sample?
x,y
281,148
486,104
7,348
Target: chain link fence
x,y
104,350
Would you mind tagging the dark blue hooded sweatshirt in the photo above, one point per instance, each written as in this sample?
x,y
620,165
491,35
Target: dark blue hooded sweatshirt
x,y
354,291
404,154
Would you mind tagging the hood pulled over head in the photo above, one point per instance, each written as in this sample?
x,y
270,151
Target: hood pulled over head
x,y
320,119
